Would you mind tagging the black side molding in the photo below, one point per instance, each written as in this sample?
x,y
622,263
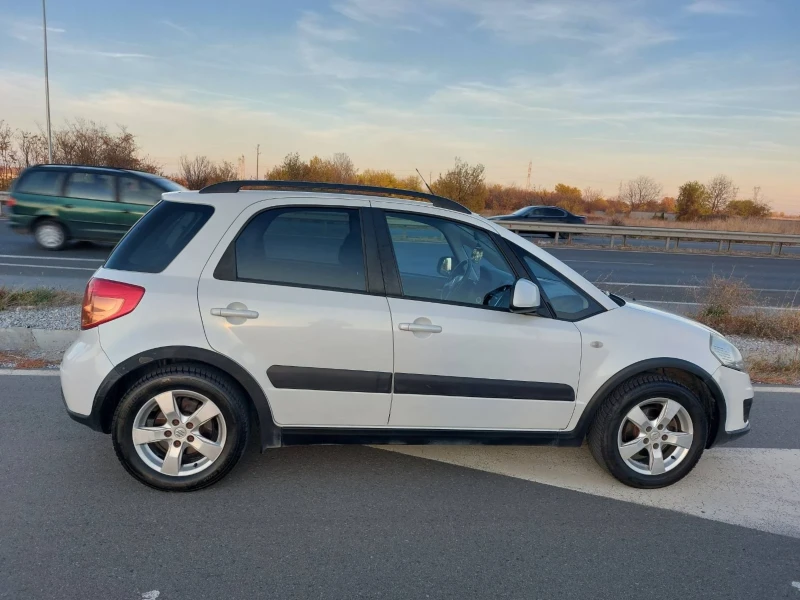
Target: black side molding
x,y
472,387
330,380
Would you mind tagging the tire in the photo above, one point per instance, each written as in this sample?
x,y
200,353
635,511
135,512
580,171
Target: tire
x,y
50,234
614,431
166,456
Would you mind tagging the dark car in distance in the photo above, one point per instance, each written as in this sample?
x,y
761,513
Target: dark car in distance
x,y
60,203
542,214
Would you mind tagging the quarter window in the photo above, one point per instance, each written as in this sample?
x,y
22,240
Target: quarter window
x,y
449,261
91,186
567,302
315,247
43,183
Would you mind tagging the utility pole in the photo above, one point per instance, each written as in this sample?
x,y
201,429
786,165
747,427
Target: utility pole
x,y
528,183
47,87
258,151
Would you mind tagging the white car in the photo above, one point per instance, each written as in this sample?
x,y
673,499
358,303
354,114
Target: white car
x,y
324,313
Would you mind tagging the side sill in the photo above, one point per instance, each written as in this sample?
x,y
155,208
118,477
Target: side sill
x,y
313,435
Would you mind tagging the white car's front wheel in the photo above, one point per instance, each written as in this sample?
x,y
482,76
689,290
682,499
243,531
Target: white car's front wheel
x,y
180,428
649,432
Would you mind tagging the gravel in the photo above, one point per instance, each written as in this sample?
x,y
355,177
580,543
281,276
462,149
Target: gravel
x,y
751,346
63,317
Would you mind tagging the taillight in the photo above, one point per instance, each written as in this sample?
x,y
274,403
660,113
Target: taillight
x,y
106,300
11,201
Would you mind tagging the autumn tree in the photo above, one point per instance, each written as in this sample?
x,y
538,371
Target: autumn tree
x,y
8,156
637,193
667,204
721,191
755,207
383,178
593,200
567,197
464,184
692,203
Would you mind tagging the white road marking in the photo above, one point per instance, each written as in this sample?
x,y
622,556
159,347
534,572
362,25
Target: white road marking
x,y
52,258
603,262
796,584
2,264
731,485
776,390
30,372
151,595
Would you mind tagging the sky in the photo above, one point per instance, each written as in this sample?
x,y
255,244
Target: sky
x,y
589,92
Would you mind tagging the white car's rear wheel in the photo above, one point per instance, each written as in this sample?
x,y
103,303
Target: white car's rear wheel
x,y
181,427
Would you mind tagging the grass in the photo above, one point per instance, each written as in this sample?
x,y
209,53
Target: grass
x,y
752,225
725,306
724,303
777,370
36,298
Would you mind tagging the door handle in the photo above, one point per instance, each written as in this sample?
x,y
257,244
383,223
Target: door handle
x,y
234,313
68,206
420,328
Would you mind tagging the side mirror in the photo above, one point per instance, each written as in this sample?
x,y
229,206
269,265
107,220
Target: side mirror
x,y
445,265
526,297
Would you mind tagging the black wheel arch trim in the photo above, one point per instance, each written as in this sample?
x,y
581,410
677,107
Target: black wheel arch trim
x,y
714,434
107,398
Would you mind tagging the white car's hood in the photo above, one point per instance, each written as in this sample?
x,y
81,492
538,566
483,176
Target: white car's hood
x,y
668,315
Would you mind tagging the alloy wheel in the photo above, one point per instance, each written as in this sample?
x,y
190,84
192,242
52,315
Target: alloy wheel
x,y
49,235
179,433
655,436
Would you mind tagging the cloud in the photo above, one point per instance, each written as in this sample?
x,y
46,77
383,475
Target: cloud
x,y
613,26
311,25
716,7
176,27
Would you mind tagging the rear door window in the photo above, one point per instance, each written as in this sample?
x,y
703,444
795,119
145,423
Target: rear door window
x,y
135,190
158,237
91,186
310,247
41,182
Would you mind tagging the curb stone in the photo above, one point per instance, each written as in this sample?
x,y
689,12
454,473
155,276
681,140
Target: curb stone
x,y
20,339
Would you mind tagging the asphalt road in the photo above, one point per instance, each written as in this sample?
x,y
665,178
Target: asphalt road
x,y
646,276
359,522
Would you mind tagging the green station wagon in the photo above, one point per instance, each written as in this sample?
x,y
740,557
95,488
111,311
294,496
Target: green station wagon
x,y
60,203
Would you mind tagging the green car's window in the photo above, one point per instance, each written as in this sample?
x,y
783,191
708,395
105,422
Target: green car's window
x,y
135,190
91,186
43,183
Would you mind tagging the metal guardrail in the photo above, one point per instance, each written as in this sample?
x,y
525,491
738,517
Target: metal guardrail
x,y
776,241
3,197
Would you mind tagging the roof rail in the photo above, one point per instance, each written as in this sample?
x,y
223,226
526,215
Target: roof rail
x,y
228,187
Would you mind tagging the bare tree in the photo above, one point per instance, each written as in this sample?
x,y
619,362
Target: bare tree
x,y
640,191
225,171
198,172
720,190
344,171
8,156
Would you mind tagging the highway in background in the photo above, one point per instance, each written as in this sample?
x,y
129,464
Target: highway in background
x,y
674,278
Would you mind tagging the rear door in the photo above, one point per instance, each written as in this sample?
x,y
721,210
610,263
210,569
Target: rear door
x,y
462,359
89,207
294,294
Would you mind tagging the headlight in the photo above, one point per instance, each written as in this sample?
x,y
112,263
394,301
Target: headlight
x,y
726,352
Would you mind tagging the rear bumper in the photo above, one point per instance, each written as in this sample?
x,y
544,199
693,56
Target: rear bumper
x,y
83,370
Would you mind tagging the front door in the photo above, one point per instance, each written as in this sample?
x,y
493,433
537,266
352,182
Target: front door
x,y
462,360
286,295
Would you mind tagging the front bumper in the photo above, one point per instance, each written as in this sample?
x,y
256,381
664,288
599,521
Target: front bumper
x,y
734,413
